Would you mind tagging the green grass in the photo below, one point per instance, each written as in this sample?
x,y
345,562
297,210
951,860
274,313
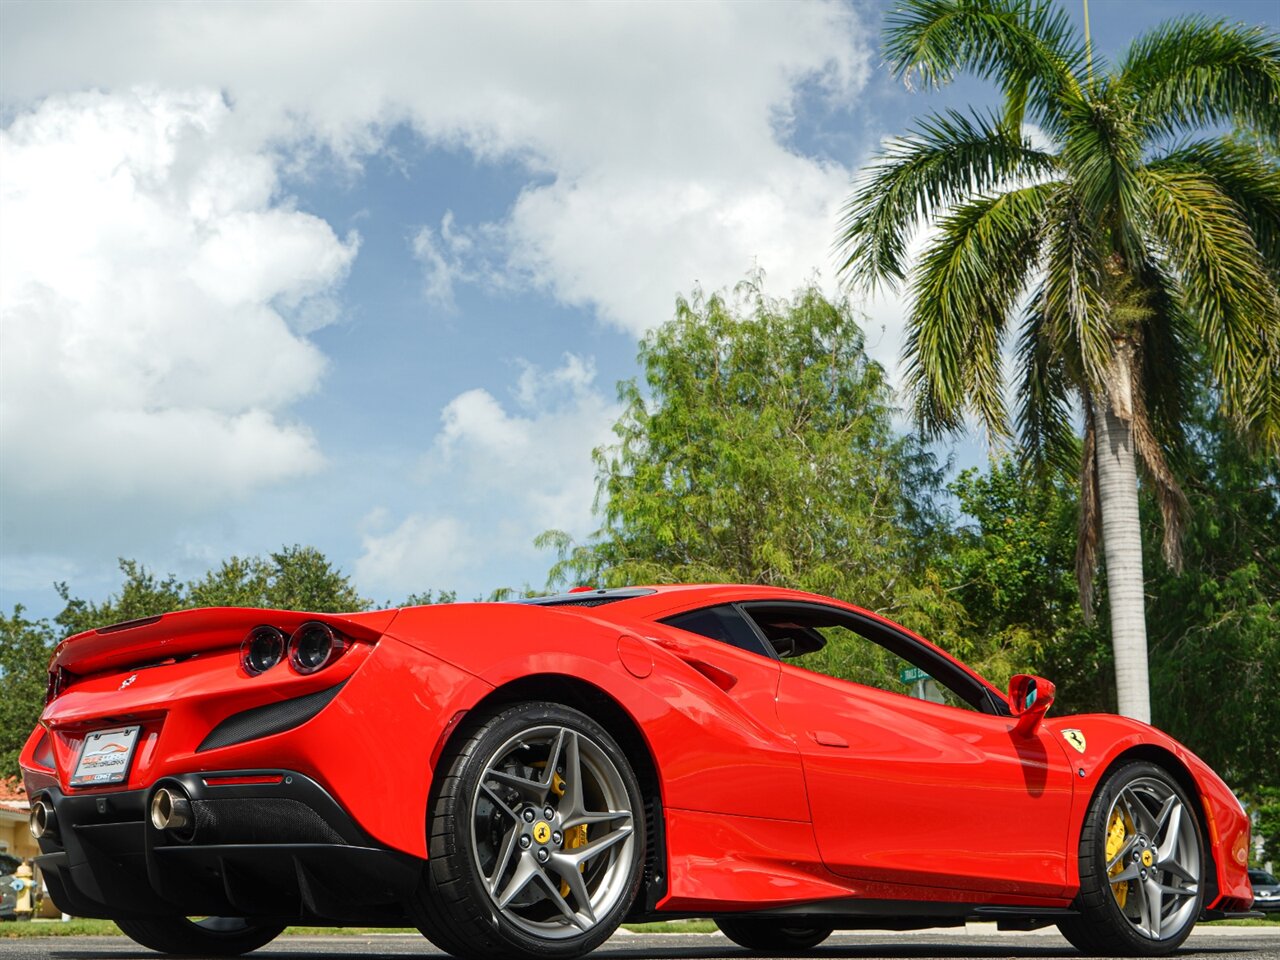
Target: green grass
x,y
55,928
673,926
1272,920
105,928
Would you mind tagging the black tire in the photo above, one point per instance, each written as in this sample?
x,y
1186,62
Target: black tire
x,y
210,937
772,936
1104,926
453,906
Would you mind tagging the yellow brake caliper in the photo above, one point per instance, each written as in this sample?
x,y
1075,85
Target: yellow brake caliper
x,y
574,838
1116,834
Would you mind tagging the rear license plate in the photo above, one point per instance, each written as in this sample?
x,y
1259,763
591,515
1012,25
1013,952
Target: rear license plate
x,y
105,756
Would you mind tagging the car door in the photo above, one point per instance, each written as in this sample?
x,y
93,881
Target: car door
x,y
921,793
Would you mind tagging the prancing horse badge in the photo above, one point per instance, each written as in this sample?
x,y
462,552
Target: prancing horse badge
x,y
1075,738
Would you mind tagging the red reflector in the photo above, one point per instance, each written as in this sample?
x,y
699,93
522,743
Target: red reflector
x,y
241,781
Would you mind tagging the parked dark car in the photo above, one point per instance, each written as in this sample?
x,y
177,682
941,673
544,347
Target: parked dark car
x,y
1266,891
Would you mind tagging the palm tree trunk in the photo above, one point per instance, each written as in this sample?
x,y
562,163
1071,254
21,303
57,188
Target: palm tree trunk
x,y
1122,542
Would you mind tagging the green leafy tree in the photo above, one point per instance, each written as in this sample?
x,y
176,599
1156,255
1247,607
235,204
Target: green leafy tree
x,y
294,578
1215,627
428,597
1135,238
761,450
25,648
1267,825
141,595
1012,570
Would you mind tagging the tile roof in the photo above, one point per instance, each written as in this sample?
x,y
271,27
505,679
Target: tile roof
x,y
12,796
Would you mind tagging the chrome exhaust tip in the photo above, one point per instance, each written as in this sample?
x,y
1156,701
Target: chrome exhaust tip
x,y
43,822
171,811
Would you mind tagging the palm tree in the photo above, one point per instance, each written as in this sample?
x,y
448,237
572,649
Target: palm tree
x,y
1139,242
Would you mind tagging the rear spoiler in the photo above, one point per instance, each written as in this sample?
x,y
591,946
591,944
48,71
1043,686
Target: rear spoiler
x,y
185,632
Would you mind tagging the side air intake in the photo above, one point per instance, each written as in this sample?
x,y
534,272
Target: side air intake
x,y
267,720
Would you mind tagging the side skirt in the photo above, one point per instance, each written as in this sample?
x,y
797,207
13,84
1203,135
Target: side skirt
x,y
859,914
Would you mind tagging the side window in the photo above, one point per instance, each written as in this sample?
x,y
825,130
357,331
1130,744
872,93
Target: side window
x,y
722,623
847,646
851,656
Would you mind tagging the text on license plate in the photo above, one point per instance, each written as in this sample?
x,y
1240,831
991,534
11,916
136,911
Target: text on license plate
x,y
105,756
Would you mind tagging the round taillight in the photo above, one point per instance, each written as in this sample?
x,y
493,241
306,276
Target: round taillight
x,y
313,646
261,650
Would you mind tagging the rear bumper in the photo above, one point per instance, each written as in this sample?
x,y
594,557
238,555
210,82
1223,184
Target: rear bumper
x,y
280,848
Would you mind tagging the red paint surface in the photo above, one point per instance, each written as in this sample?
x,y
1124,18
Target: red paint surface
x,y
778,785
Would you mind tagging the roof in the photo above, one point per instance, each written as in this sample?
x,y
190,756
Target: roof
x,y
12,796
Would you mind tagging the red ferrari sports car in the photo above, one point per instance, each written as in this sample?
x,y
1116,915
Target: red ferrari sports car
x,y
516,779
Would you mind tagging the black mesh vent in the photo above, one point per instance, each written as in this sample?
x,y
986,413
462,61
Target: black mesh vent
x,y
261,820
264,721
593,598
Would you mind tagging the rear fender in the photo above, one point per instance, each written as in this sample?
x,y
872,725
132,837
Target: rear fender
x,y
709,755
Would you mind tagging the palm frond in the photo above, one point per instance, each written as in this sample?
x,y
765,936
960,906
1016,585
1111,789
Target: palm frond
x,y
1077,318
1245,175
1167,335
966,285
1028,47
1195,72
1046,434
1101,152
1172,501
946,159
1089,519
1204,238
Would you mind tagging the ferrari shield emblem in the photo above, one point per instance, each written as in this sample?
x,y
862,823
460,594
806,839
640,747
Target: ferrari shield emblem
x,y
1075,738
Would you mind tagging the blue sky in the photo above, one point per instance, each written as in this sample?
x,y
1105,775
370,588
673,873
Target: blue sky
x,y
364,276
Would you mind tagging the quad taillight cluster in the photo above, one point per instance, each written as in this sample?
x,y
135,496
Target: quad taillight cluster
x,y
310,648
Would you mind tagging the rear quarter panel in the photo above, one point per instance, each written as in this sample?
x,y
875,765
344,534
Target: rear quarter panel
x,y
712,754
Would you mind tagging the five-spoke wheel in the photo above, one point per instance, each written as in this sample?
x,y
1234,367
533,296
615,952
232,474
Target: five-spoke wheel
x,y
1141,865
537,838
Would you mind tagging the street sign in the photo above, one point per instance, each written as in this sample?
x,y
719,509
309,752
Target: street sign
x,y
910,675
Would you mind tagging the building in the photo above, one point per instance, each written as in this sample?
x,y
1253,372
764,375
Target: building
x,y
15,838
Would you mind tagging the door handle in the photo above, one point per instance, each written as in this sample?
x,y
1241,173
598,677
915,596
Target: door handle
x,y
826,738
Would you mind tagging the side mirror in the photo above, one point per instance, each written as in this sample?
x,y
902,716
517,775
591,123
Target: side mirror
x,y
1030,699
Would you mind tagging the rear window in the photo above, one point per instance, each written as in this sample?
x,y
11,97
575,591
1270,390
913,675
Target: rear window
x,y
723,623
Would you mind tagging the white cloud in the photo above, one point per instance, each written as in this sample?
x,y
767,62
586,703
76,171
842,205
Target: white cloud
x,y
452,255
419,554
628,246
149,283
163,292
658,129
512,474
540,459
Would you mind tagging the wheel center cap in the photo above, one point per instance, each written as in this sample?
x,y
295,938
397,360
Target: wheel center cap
x,y
542,831
1147,858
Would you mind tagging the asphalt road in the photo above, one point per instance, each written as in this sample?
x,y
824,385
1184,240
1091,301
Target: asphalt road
x,y
1230,943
